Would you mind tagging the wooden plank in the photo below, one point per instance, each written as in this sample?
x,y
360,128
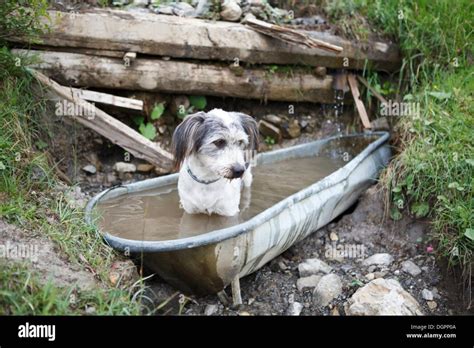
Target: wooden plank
x,y
105,98
200,39
183,77
359,104
104,124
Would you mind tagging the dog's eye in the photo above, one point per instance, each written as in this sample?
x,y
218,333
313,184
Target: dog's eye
x,y
220,143
241,143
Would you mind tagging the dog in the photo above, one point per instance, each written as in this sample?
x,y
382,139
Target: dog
x,y
211,152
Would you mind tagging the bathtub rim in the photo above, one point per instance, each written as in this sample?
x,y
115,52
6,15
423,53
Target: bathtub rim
x,y
216,236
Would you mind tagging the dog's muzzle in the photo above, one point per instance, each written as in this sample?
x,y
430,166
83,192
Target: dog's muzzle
x,y
237,171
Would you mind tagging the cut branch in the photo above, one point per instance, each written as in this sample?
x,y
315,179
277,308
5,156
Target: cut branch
x,y
290,35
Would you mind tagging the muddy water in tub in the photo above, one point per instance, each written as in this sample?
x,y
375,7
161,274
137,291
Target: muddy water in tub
x,y
155,214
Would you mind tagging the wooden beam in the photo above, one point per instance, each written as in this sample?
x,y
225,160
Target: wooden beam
x,y
193,38
105,98
359,104
183,77
114,130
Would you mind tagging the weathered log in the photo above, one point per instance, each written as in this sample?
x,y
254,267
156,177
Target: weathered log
x,y
183,77
199,39
109,127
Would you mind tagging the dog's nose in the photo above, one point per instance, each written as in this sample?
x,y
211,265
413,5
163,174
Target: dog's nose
x,y
237,171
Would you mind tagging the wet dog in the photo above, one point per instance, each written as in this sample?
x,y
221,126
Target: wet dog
x,y
212,151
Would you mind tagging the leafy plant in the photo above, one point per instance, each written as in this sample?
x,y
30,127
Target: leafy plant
x,y
157,111
198,102
148,130
270,140
23,18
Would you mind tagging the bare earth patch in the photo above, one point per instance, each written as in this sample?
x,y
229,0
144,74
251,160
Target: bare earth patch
x,y
40,254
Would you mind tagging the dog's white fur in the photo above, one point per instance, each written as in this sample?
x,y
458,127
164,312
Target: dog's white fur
x,y
198,146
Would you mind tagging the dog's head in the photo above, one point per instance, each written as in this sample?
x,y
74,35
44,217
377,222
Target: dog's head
x,y
220,140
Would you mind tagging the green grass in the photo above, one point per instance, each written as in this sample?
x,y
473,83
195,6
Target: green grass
x,y
433,174
28,197
22,293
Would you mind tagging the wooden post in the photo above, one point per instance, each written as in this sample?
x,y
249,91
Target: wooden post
x,y
359,104
236,296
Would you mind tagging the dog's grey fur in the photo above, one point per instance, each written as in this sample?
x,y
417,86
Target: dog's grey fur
x,y
210,148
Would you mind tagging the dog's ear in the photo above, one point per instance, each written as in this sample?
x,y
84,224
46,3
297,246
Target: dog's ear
x,y
186,137
250,127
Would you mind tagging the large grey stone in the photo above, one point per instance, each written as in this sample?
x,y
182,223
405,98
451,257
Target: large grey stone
x,y
382,297
328,288
313,266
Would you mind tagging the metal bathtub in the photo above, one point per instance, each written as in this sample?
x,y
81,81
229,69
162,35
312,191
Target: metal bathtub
x,y
207,263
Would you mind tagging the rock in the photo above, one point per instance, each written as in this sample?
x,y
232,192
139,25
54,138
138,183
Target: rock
x,y
111,178
183,9
333,236
291,129
380,123
379,274
123,167
211,309
269,130
320,71
370,276
411,268
427,295
307,282
282,265
75,197
303,124
335,312
94,160
328,288
90,310
382,297
202,7
162,129
231,11
276,120
313,266
294,309
432,305
90,169
378,259
396,272
140,3
145,167
123,273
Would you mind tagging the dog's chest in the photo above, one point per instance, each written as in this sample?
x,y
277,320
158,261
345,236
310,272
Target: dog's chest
x,y
214,197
